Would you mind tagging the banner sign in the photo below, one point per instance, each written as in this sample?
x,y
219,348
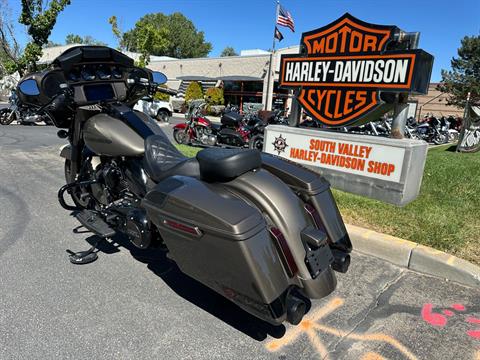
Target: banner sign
x,y
347,64
367,159
470,136
388,170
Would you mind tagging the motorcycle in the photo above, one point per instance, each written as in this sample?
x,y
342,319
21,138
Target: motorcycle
x,y
235,130
263,232
25,115
432,131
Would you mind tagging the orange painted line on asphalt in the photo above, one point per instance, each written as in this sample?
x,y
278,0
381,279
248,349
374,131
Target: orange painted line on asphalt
x,y
372,356
305,325
368,337
317,344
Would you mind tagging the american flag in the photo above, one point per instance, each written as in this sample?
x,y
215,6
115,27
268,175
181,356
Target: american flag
x,y
285,18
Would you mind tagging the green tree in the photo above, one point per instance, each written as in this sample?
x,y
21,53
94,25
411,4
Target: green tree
x,y
51,43
73,39
116,31
9,47
39,20
194,91
182,39
149,40
465,74
228,51
86,40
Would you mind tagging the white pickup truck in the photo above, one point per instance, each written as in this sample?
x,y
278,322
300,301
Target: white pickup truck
x,y
160,110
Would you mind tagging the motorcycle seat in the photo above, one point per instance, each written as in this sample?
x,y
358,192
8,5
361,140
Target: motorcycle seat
x,y
162,159
216,126
217,164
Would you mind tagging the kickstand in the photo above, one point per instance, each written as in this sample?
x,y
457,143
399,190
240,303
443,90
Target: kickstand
x,y
84,257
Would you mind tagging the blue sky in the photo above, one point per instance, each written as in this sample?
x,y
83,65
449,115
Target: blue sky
x,y
248,24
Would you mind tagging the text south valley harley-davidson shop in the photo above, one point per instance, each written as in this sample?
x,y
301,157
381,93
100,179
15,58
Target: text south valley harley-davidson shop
x,y
371,160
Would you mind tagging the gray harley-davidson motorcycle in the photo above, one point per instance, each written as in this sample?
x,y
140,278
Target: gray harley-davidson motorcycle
x,y
263,232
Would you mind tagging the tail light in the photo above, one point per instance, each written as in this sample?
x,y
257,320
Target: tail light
x,y
316,219
285,252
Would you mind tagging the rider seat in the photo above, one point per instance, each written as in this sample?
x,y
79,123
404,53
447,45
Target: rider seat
x,y
162,159
218,164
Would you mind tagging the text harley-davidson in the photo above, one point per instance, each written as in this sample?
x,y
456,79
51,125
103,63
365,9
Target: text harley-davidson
x,y
261,231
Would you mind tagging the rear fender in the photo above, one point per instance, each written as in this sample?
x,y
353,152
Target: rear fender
x,y
287,213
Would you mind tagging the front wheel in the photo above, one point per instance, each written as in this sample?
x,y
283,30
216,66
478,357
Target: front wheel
x,y
76,192
6,116
180,136
256,142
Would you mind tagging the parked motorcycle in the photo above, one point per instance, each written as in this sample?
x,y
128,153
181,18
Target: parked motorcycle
x,y
260,231
235,130
24,114
432,131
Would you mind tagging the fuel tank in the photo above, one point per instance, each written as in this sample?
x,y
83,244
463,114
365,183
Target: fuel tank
x,y
106,135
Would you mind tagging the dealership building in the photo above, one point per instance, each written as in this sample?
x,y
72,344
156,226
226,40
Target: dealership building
x,y
244,78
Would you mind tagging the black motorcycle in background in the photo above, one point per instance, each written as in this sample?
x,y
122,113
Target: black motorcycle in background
x,y
22,113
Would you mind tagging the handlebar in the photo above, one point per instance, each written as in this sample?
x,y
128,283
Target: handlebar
x,y
167,91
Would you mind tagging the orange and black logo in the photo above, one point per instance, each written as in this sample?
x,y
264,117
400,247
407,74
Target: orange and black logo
x,y
346,64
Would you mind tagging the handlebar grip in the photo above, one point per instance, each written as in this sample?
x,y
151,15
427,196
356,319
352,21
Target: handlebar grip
x,y
167,91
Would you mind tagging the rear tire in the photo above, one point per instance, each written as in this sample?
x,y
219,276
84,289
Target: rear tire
x,y
256,142
440,139
163,116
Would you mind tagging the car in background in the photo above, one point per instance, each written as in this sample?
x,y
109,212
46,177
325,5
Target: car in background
x,y
160,110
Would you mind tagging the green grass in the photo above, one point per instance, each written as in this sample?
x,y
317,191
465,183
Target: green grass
x,y
189,151
446,215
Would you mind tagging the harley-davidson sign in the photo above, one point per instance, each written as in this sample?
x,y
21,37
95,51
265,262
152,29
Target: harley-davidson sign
x,y
345,66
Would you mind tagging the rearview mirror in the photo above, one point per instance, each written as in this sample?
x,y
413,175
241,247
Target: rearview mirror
x,y
29,87
159,78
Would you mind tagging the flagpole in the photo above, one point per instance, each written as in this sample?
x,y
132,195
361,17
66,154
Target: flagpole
x,y
270,80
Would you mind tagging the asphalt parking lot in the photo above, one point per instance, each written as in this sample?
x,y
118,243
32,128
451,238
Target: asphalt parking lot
x,y
135,304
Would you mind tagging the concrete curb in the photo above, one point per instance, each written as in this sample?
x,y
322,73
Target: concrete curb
x,y
414,256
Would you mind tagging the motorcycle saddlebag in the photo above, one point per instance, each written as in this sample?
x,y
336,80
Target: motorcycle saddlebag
x,y
231,118
220,241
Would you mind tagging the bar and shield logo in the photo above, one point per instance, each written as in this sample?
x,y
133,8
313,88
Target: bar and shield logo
x,y
346,65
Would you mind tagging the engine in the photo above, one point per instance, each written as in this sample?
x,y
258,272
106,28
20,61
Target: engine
x,y
123,206
205,136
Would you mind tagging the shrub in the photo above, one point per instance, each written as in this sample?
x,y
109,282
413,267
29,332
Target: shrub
x,y
161,96
194,91
214,96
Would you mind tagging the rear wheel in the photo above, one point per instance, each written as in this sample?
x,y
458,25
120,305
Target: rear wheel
x,y
6,116
440,138
256,142
163,116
